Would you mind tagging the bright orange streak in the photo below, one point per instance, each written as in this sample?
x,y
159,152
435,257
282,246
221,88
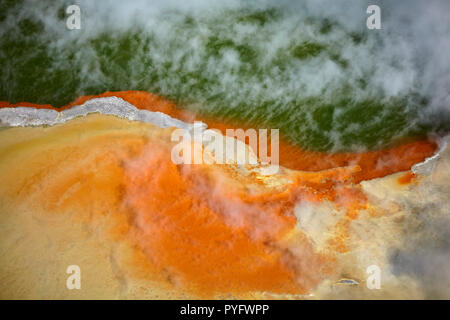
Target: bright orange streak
x,y
373,164
207,229
191,233
406,178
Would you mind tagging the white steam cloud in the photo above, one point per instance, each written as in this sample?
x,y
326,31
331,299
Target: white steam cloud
x,y
282,56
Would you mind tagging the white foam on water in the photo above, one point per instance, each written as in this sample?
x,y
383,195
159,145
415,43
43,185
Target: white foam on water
x,y
30,116
26,116
408,56
429,163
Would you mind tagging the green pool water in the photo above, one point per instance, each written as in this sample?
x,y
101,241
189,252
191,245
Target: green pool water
x,y
327,86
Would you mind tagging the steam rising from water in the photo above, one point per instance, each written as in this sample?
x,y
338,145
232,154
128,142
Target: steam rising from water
x,y
311,69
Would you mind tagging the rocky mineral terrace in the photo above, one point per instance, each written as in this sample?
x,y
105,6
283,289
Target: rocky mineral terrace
x,y
94,186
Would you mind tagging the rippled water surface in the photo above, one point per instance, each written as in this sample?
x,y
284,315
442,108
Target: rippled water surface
x,y
311,68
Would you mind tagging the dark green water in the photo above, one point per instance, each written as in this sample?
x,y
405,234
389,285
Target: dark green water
x,y
326,85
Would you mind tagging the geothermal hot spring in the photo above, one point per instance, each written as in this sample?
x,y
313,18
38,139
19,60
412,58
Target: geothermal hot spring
x,y
359,207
